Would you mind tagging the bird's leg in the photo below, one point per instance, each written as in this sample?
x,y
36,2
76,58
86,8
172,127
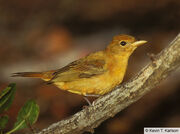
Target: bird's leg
x,y
90,95
86,99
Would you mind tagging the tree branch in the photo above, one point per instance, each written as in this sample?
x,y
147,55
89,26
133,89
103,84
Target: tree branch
x,y
110,104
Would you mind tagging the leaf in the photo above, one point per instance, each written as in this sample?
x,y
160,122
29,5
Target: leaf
x,y
3,121
26,116
7,96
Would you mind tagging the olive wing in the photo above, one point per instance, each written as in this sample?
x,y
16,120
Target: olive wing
x,y
82,68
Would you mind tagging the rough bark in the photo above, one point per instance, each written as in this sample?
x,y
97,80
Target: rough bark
x,y
122,96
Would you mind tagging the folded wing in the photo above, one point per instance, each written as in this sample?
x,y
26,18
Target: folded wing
x,y
86,67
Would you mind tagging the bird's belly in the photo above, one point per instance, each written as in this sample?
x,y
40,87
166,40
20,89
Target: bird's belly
x,y
97,85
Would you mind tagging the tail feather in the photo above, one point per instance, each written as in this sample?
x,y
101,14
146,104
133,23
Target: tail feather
x,y
43,75
28,74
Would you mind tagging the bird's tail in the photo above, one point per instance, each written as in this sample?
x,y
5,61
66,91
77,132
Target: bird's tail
x,y
46,76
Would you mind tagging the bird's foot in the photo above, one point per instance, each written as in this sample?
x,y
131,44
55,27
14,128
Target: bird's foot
x,y
152,58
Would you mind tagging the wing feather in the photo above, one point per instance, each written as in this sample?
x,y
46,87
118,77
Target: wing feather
x,y
86,67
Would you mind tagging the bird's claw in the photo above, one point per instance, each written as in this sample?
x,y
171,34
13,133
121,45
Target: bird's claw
x,y
152,58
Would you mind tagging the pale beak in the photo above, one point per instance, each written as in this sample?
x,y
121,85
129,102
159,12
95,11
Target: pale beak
x,y
139,43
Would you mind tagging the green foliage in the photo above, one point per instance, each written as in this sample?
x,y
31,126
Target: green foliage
x,y
7,96
3,121
26,116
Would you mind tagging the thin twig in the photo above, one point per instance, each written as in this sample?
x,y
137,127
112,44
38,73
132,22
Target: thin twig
x,y
122,96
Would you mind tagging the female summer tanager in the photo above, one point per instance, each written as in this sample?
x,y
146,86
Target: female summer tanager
x,y
96,73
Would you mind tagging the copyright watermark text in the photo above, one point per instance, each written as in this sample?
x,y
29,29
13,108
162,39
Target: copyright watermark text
x,y
161,130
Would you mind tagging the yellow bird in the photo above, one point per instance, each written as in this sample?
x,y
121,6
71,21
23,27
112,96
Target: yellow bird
x,y
95,74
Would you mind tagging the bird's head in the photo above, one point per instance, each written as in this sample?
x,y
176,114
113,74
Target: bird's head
x,y
124,45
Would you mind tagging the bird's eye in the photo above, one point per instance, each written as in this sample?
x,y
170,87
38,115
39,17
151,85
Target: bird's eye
x,y
123,43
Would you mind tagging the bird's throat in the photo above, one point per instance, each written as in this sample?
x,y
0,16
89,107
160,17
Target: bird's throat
x,y
117,64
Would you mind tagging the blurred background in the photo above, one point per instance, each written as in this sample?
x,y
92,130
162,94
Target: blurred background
x,y
40,35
